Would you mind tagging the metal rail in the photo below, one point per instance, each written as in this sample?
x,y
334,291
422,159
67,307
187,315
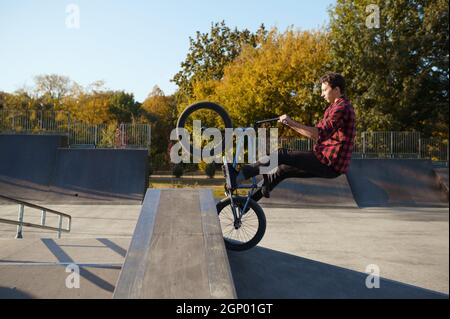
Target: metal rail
x,y
20,223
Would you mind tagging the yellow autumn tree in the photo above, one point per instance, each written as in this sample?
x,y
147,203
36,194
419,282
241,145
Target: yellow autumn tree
x,y
279,77
161,110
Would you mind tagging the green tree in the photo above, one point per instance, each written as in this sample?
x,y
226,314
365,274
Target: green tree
x,y
210,52
3,98
123,108
162,111
397,74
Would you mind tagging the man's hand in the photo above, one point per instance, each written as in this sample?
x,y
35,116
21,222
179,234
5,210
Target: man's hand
x,y
285,119
309,132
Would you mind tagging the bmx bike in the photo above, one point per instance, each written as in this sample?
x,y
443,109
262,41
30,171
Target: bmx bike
x,y
242,219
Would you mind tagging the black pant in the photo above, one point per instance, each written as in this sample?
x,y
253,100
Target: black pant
x,y
291,164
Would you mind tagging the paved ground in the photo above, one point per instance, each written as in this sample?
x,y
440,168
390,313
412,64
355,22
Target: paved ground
x,y
49,282
323,253
98,243
88,221
40,267
305,253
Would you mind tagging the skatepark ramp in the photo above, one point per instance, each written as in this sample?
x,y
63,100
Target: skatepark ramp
x,y
311,192
41,168
395,182
177,249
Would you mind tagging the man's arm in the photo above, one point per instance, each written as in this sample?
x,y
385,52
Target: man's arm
x,y
308,131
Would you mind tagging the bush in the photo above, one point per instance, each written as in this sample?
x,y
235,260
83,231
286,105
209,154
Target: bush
x,y
190,167
158,162
210,170
178,170
202,166
150,168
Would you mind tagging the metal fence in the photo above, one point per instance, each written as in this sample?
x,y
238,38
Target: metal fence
x,y
79,134
367,144
385,145
106,136
34,121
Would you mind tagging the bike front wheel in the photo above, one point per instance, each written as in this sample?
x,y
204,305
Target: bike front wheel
x,y
245,233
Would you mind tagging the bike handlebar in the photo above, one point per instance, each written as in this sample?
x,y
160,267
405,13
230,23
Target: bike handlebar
x,y
267,121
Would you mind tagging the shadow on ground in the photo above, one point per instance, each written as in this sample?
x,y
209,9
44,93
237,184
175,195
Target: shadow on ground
x,y
263,273
13,293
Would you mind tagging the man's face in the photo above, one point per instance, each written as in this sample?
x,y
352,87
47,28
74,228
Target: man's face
x,y
330,94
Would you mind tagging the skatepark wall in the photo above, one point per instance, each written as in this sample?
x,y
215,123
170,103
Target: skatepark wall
x,y
395,182
29,157
41,168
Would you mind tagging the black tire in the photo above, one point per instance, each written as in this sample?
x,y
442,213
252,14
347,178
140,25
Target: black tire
x,y
226,219
210,106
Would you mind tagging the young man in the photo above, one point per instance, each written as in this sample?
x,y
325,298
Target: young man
x,y
331,155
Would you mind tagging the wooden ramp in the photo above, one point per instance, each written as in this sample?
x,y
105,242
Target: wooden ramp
x,y
177,250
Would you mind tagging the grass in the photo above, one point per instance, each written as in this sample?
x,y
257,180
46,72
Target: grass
x,y
216,184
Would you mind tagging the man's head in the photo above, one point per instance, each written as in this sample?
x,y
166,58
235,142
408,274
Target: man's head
x,y
333,86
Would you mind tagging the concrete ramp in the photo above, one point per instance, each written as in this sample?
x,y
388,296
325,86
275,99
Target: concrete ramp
x,y
31,281
36,168
100,173
311,192
177,250
395,182
29,158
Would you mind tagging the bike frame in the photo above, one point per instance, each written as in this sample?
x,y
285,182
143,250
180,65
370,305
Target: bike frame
x,y
254,186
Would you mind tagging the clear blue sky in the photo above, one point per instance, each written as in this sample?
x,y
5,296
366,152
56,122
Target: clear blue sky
x,y
131,45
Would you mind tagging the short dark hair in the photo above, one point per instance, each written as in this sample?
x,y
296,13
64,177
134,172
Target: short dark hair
x,y
334,80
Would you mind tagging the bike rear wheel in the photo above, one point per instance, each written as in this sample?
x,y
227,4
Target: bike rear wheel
x,y
217,110
246,234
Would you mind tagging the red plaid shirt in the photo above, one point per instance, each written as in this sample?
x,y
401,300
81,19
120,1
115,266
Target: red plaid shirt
x,y
336,136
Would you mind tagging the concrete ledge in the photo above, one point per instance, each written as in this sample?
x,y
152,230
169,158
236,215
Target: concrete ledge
x,y
177,250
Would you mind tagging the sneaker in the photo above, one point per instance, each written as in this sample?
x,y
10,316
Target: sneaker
x,y
265,187
230,176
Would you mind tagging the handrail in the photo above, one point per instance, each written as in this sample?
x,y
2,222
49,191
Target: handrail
x,y
20,223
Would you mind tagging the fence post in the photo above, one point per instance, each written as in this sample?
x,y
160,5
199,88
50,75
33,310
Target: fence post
x,y
448,142
121,135
363,138
43,213
96,136
68,129
392,144
420,146
59,226
20,226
